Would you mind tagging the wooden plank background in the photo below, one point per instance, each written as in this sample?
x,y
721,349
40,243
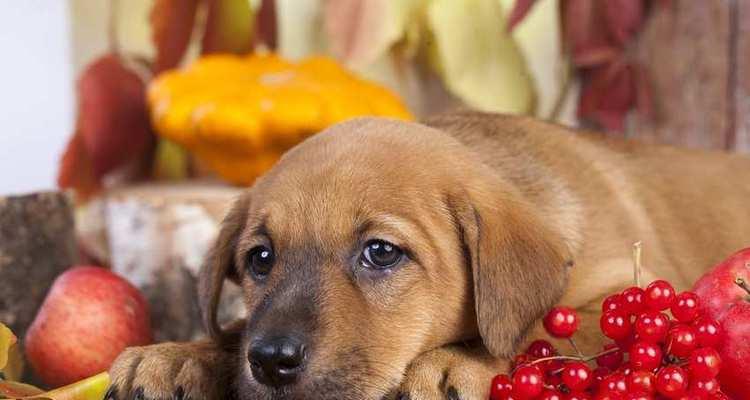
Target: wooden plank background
x,y
698,57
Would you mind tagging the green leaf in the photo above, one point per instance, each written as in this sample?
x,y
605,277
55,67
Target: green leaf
x,y
479,61
170,161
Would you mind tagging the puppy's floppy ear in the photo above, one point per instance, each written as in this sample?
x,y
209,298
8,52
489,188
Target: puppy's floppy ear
x,y
219,265
518,263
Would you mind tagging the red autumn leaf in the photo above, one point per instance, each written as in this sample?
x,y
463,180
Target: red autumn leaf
x,y
229,27
624,18
583,25
584,57
76,171
520,9
607,95
265,25
172,24
113,120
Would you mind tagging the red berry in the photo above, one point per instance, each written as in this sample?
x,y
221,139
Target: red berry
x,y
501,387
561,322
681,340
632,300
615,383
703,388
598,376
646,356
522,359
577,376
626,369
541,349
616,325
718,396
671,382
707,332
550,395
659,295
611,360
606,395
637,396
578,396
528,382
705,363
652,326
685,307
552,370
613,302
641,382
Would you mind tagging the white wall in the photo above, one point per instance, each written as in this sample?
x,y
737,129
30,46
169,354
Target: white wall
x,y
36,92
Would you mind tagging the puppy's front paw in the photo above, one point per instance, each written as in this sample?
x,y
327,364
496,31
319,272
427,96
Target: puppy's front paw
x,y
452,373
169,371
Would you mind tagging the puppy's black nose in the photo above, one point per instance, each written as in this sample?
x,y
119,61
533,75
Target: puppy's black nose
x,y
276,361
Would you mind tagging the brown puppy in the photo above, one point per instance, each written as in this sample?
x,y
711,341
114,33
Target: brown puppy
x,y
383,258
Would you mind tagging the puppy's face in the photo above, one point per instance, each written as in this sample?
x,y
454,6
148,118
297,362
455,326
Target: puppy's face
x,y
367,245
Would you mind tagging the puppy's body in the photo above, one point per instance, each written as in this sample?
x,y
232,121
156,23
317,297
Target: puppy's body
x,y
604,194
500,218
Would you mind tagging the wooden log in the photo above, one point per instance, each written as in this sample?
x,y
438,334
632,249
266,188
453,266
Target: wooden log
x,y
158,237
686,50
37,243
741,72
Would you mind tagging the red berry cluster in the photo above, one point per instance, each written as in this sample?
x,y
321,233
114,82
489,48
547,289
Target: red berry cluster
x,y
653,355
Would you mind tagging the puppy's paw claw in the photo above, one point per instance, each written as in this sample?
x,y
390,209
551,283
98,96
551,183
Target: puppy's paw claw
x,y
167,371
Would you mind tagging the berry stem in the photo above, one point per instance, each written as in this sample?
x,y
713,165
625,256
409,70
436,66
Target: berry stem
x,y
743,284
637,256
575,347
575,358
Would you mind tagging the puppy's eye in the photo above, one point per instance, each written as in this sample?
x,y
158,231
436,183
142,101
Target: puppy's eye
x,y
380,254
259,261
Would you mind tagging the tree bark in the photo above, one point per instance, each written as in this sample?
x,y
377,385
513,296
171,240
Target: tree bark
x,y
37,243
158,237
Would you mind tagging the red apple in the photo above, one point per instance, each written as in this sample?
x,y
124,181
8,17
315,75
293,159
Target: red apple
x,y
725,296
88,317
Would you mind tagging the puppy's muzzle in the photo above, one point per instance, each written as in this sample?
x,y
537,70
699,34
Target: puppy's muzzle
x,y
276,361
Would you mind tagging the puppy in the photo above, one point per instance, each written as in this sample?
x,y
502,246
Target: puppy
x,y
384,259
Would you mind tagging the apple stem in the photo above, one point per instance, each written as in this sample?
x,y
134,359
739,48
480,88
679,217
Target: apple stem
x,y
637,255
741,283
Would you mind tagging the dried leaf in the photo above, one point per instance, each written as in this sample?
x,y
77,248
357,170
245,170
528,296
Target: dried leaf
x,y
229,27
172,24
624,18
480,62
11,362
360,31
113,120
518,13
266,31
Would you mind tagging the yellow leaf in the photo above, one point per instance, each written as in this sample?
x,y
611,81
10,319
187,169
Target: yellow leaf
x,y
539,39
92,388
7,340
480,63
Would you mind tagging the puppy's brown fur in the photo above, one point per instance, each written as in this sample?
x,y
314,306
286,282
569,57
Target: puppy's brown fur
x,y
501,217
